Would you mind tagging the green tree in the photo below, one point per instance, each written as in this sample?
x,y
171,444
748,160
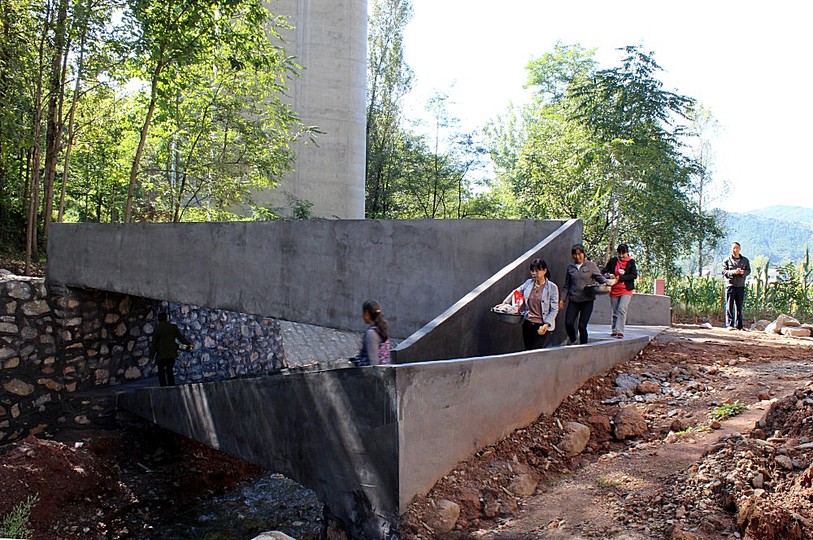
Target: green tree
x,y
705,190
605,146
226,132
547,165
389,79
434,162
172,37
18,75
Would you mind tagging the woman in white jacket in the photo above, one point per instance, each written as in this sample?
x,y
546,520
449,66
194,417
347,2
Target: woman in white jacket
x,y
540,306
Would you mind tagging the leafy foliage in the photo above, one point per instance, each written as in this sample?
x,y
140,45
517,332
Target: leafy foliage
x,y
604,146
791,292
412,171
727,410
389,78
116,109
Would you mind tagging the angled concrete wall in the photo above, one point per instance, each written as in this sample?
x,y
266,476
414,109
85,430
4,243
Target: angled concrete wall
x,y
448,410
468,328
369,440
316,272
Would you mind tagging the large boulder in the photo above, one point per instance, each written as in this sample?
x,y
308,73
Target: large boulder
x,y
787,320
442,520
648,387
523,485
273,535
574,439
760,325
600,428
795,331
629,422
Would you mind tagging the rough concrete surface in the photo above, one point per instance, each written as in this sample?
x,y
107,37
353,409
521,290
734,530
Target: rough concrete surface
x,y
315,272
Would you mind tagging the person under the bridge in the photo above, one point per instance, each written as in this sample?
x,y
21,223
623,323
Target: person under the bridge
x,y
539,307
375,345
577,295
164,348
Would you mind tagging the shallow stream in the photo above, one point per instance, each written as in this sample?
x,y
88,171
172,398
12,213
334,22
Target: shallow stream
x,y
270,502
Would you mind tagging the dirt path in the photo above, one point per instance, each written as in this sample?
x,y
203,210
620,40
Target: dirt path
x,y
632,489
588,503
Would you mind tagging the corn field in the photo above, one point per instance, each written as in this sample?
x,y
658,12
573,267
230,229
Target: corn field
x,y
698,299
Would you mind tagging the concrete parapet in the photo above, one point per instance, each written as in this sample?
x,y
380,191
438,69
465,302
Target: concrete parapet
x,y
644,309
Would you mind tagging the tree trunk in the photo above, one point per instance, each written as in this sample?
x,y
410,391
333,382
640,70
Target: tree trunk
x,y
33,191
33,194
53,134
71,116
128,209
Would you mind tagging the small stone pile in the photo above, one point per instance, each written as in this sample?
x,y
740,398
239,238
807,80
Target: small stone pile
x,y
784,325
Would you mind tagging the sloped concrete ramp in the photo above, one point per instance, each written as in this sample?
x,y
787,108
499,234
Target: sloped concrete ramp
x,y
369,440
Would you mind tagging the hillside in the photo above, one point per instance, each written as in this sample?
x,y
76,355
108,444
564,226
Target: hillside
x,y
779,232
791,214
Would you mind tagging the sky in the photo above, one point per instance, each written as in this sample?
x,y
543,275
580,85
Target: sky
x,y
747,62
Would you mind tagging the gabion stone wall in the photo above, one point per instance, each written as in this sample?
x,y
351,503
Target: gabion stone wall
x,y
227,344
60,346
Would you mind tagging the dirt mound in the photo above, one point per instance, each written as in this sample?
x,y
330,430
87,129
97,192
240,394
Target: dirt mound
x,y
111,484
760,482
61,476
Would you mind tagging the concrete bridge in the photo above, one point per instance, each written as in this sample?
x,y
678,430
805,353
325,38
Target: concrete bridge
x,y
366,440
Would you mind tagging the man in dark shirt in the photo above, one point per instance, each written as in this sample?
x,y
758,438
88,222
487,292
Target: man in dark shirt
x,y
164,348
735,269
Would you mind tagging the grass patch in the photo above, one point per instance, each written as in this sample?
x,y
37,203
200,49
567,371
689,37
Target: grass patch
x,y
727,410
15,524
606,482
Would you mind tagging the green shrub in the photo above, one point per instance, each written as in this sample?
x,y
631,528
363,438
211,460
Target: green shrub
x,y
15,524
727,410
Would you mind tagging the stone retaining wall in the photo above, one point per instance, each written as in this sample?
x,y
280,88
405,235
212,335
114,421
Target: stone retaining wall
x,y
58,346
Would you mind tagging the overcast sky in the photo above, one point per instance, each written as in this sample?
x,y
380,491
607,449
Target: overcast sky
x,y
748,62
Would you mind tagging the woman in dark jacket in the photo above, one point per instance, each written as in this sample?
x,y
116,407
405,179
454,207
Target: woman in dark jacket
x,y
580,274
623,268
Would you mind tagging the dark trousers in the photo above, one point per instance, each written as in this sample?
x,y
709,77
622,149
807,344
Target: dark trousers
x,y
166,375
581,311
531,337
733,306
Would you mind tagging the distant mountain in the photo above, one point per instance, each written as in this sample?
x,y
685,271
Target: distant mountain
x,y
792,214
779,232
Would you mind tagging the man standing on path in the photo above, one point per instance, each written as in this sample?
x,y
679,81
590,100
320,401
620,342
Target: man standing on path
x,y
735,269
164,348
